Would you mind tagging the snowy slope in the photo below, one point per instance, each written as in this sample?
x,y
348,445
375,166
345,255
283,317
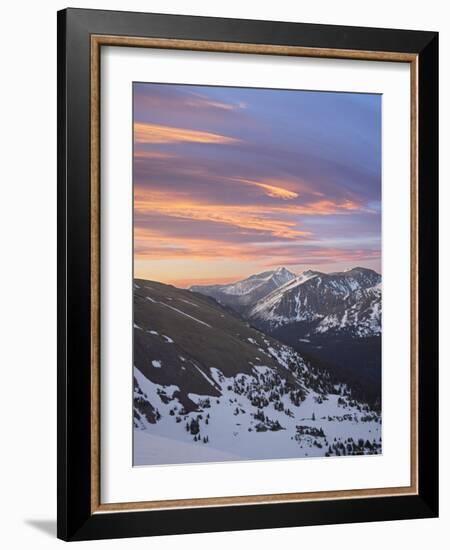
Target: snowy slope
x,y
360,315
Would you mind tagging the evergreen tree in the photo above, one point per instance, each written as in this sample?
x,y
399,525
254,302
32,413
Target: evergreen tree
x,y
194,427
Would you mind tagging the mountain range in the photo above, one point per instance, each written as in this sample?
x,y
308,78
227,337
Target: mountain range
x,y
211,385
346,302
332,318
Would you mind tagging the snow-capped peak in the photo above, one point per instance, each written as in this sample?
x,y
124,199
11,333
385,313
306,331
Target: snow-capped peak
x,y
278,277
283,271
282,276
247,291
326,301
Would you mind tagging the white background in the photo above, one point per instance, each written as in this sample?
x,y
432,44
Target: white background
x,y
119,481
28,274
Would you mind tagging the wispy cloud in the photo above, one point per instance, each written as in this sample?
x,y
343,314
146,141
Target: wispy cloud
x,y
202,101
157,133
152,155
270,189
182,98
244,217
273,217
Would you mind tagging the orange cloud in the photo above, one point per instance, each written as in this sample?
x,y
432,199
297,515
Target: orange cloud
x,y
157,133
278,188
324,207
151,155
288,243
271,190
151,244
242,216
278,220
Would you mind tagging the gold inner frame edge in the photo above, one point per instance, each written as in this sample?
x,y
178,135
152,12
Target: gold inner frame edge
x,y
97,41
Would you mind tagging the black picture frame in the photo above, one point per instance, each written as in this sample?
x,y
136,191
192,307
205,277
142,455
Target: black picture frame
x,y
75,518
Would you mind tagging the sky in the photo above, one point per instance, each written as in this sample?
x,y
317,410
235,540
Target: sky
x,y
229,182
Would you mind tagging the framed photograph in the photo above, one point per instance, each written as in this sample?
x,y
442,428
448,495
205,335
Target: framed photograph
x,y
247,274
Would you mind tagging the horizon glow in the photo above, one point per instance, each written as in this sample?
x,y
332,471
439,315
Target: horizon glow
x,y
229,182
